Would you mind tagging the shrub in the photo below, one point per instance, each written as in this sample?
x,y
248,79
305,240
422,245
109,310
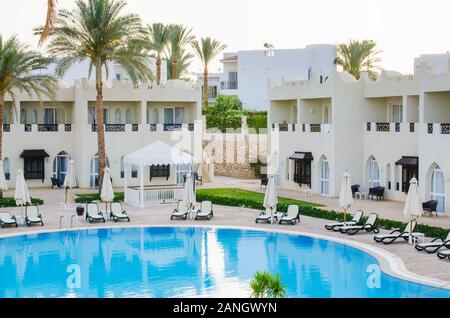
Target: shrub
x,y
88,198
11,202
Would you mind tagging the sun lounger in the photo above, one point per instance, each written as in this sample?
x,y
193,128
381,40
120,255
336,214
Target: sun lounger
x,y
397,234
118,213
266,216
435,245
205,211
355,221
32,215
6,219
370,226
292,216
444,254
93,213
181,212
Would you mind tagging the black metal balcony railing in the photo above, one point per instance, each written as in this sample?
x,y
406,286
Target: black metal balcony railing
x,y
134,127
412,127
430,129
153,128
94,127
28,128
47,127
6,127
369,126
445,129
229,85
191,127
383,127
172,127
303,127
284,127
315,128
115,128
293,127
397,127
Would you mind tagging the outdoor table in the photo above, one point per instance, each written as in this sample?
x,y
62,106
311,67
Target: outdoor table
x,y
418,236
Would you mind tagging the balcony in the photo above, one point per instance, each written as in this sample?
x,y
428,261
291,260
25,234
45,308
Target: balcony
x,y
442,129
391,127
44,128
229,85
171,127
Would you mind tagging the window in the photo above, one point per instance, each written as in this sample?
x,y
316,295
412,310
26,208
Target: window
x,y
134,171
179,115
212,92
128,117
155,116
168,116
94,171
232,80
160,171
122,168
438,189
92,118
182,170
23,116
309,73
60,166
326,115
374,174
34,168
117,117
106,116
397,113
34,117
50,116
6,169
5,115
325,178
118,77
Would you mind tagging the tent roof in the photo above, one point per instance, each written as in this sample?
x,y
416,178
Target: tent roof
x,y
158,153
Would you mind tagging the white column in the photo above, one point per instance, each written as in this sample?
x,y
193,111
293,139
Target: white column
x,y
141,190
143,113
290,170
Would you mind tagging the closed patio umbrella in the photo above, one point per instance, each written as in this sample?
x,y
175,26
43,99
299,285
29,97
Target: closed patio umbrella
x,y
413,205
70,181
107,193
271,199
21,195
346,195
3,184
188,192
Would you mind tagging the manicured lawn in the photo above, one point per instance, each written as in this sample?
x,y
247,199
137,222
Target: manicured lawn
x,y
239,194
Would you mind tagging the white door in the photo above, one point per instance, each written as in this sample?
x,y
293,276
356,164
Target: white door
x,y
397,113
325,178
438,189
374,174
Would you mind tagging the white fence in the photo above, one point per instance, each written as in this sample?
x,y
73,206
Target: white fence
x,y
153,196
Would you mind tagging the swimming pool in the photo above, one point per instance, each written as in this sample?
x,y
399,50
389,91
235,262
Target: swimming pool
x,y
189,262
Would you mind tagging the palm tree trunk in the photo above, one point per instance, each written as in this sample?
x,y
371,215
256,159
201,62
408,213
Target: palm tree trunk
x,y
205,88
174,70
158,70
2,100
100,124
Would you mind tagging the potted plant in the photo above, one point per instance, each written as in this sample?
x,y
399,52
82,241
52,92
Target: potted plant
x,y
80,210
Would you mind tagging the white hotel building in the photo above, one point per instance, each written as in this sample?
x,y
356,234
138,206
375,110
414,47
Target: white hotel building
x,y
245,73
41,136
383,132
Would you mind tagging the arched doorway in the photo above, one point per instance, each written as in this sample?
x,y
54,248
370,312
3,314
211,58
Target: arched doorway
x,y
94,171
437,189
60,165
325,177
373,173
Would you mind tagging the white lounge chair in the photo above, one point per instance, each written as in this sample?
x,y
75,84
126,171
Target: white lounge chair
x,y
368,227
435,245
32,215
444,254
292,216
181,212
355,221
118,213
93,213
205,211
6,219
397,234
266,216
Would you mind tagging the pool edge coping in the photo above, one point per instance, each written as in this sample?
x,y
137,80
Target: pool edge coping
x,y
390,263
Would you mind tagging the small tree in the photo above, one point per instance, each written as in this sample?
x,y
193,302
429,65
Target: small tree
x,y
225,113
265,285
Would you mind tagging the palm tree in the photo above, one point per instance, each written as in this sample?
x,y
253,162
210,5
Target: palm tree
x,y
21,70
98,31
207,50
178,58
158,39
265,285
358,56
51,15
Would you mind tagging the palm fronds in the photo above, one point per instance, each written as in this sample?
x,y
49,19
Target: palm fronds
x,y
358,56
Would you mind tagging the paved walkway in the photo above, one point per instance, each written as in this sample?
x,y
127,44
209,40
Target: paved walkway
x,y
418,263
391,210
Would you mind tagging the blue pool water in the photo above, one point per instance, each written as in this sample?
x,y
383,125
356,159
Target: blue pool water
x,y
189,262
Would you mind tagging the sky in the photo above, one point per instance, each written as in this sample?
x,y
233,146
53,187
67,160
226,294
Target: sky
x,y
403,29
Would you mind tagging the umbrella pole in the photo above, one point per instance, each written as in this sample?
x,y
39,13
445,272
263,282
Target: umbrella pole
x,y
65,200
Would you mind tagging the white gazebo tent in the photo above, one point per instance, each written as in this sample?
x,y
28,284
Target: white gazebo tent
x,y
157,153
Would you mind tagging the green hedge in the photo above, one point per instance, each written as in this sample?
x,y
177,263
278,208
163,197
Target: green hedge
x,y
88,198
11,202
313,211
